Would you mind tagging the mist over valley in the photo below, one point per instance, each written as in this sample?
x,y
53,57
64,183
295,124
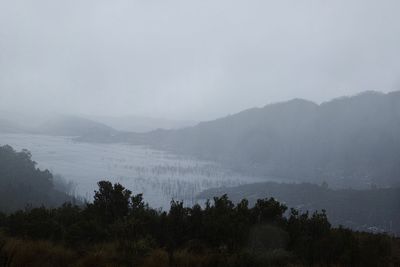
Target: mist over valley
x,y
199,133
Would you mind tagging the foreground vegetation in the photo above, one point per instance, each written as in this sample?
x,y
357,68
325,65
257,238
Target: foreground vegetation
x,y
119,229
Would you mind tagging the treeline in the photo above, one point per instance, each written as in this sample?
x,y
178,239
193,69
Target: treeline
x,y
375,209
21,183
119,229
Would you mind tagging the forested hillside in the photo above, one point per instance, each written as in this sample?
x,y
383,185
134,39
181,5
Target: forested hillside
x,y
22,184
350,141
375,210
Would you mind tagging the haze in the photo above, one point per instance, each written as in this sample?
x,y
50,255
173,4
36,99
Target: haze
x,y
194,60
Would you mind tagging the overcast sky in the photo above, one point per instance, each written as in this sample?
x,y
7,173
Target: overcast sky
x,y
192,59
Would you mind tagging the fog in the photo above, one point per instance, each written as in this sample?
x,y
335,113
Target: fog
x,y
199,133
192,60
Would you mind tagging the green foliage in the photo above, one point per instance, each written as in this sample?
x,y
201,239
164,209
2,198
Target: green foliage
x,y
119,229
268,210
21,183
358,209
111,201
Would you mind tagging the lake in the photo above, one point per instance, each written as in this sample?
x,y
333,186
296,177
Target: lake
x,y
159,175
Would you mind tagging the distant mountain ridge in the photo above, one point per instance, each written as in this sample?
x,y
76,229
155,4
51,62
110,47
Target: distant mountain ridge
x,y
75,126
55,125
349,141
82,125
140,124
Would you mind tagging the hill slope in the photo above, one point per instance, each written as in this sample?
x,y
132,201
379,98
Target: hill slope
x,y
350,141
140,124
22,184
363,210
76,126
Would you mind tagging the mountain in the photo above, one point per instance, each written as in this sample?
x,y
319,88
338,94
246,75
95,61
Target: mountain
x,y
76,126
52,124
16,121
82,125
349,141
141,124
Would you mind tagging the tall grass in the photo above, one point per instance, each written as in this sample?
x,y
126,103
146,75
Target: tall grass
x,y
23,253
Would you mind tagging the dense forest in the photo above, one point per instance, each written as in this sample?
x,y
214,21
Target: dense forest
x,y
349,141
21,183
375,209
119,229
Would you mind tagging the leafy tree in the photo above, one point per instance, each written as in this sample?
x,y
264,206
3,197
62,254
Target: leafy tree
x,y
21,183
111,202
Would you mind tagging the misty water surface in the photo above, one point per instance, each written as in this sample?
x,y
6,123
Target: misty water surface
x,y
161,176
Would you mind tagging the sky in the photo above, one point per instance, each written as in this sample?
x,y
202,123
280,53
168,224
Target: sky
x,y
192,60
